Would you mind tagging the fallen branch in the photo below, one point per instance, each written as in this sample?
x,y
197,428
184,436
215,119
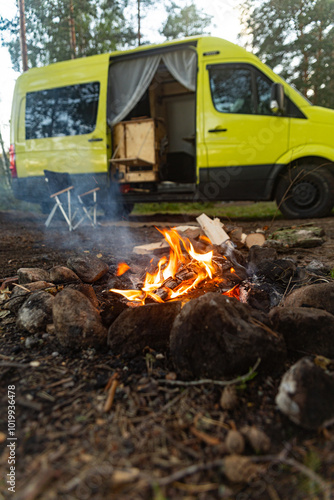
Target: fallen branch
x,y
237,380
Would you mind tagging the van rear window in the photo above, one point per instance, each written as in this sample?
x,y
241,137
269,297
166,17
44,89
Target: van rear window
x,y
62,111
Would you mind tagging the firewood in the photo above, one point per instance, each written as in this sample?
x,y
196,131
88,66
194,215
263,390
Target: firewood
x,y
150,248
213,230
189,231
255,239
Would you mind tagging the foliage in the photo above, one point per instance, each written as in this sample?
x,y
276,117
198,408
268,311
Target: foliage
x,y
296,39
185,21
97,26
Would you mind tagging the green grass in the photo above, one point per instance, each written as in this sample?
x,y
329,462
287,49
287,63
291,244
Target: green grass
x,y
258,210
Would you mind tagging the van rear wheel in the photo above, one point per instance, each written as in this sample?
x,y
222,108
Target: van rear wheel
x,y
305,191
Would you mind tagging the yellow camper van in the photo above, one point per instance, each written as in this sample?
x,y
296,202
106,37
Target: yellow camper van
x,y
194,119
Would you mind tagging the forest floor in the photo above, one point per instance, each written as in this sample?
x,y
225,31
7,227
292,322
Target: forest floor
x,y
156,441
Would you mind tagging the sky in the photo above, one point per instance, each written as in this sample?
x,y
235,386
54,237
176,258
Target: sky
x,y
225,25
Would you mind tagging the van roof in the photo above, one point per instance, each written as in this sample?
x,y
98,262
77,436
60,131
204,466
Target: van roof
x,y
203,44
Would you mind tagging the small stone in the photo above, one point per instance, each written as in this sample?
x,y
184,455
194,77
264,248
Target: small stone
x,y
235,443
35,364
318,267
258,440
229,398
19,294
89,269
36,312
30,274
239,469
31,342
62,274
77,322
305,395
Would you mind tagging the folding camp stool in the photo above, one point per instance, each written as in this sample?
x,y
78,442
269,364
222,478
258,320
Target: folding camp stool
x,y
57,180
58,203
85,210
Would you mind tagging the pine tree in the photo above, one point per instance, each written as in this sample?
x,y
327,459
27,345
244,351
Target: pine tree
x,y
295,39
185,21
63,29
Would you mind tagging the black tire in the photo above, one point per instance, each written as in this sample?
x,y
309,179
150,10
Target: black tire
x,y
305,191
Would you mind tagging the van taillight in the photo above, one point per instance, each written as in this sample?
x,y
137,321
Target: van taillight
x,y
12,161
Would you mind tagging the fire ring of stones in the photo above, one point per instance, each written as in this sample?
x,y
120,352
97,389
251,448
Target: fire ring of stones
x,y
239,311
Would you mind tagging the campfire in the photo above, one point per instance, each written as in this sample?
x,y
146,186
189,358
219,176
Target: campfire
x,y
184,271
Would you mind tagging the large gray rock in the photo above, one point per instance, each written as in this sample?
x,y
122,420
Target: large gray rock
x,y
319,295
216,336
77,322
305,395
305,329
36,312
136,328
88,268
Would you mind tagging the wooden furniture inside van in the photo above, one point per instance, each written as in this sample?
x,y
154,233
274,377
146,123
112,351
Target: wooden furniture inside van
x,y
138,150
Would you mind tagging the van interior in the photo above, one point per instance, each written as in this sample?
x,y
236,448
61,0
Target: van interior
x,y
153,146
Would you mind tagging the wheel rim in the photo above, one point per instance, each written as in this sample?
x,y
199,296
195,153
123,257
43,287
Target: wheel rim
x,y
305,194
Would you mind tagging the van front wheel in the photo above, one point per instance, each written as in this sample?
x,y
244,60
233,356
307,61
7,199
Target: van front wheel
x,y
305,191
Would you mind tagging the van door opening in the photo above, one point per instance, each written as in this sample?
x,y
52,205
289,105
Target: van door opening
x,y
154,128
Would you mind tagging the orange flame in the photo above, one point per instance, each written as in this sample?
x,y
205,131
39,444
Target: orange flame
x,y
182,256
122,268
234,292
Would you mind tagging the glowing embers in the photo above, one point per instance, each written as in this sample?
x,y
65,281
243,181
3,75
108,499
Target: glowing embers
x,y
183,271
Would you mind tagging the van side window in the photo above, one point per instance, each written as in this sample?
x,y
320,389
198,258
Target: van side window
x,y
240,88
62,111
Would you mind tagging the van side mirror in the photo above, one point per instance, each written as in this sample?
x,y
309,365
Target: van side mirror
x,y
277,99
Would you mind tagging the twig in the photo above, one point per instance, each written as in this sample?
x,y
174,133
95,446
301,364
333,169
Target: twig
x,y
189,471
9,364
112,385
237,380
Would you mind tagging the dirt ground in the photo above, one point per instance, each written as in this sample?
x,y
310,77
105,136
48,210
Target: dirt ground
x,y
157,441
